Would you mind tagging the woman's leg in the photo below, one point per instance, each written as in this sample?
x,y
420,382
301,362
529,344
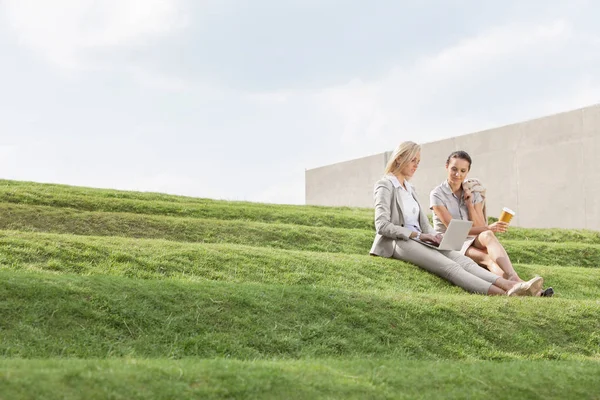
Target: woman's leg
x,y
438,263
531,287
482,258
470,266
489,242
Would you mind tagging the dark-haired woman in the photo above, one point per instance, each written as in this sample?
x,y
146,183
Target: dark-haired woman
x,y
453,200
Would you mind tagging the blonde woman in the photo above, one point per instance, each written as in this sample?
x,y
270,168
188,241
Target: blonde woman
x,y
399,217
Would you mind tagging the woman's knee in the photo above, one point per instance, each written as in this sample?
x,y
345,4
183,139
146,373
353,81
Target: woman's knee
x,y
487,237
448,271
457,275
466,259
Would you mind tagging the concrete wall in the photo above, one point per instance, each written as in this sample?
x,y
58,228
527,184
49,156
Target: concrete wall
x,y
544,169
348,183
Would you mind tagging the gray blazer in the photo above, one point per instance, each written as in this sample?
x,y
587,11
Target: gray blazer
x,y
389,220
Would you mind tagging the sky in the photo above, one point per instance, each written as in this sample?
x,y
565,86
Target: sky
x,y
235,99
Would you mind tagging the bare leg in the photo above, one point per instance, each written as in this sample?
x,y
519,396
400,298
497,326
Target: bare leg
x,y
489,242
501,286
482,258
496,291
505,284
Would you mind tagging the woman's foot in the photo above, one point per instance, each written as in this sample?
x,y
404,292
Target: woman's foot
x,y
529,288
519,289
536,285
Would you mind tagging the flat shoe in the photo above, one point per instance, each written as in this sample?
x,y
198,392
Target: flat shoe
x,y
520,289
549,292
536,285
528,288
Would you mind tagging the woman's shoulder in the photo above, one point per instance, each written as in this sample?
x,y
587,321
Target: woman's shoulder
x,y
384,181
438,189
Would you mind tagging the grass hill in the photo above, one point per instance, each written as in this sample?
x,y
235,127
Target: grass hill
x,y
125,295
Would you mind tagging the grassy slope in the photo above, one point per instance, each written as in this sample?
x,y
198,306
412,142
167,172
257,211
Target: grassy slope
x,y
105,200
158,259
281,236
115,201
184,229
288,285
296,379
46,315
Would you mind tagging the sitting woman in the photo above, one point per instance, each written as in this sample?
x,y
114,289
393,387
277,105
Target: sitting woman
x,y
399,218
452,199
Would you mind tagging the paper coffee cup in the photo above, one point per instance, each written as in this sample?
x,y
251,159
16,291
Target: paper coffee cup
x,y
506,215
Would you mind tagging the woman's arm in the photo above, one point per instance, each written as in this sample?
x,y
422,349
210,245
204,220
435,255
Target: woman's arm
x,y
383,214
476,214
444,215
474,203
479,222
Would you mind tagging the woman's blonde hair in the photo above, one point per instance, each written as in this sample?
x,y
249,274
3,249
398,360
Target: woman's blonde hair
x,y
403,154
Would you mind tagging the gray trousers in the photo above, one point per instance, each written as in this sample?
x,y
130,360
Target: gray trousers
x,y
447,264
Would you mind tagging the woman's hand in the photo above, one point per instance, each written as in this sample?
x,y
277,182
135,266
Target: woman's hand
x,y
498,227
426,237
467,195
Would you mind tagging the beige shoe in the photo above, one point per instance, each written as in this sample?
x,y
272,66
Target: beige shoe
x,y
536,285
520,289
528,288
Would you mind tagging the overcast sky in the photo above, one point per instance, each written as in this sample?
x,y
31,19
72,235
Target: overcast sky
x,y
234,99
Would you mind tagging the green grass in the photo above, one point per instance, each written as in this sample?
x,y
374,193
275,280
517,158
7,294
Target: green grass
x,y
116,201
259,234
581,236
159,259
548,253
105,200
296,379
115,294
282,236
46,315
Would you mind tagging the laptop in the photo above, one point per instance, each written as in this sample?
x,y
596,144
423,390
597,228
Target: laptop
x,y
454,238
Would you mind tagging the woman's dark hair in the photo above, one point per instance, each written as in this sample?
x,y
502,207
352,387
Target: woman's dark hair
x,y
462,155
